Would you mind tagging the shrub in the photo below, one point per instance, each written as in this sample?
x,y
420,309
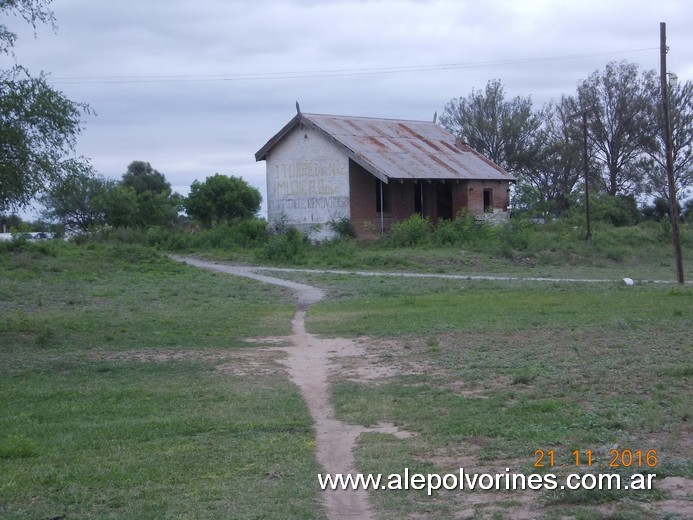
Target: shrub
x,y
342,227
618,211
414,231
468,229
250,232
517,233
445,233
335,253
289,246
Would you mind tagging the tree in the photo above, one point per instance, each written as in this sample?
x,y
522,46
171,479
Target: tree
x,y
222,199
75,200
504,131
119,206
141,177
681,118
620,122
558,164
141,199
38,125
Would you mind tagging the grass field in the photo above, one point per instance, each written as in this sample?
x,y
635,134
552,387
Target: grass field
x,y
113,404
124,394
501,370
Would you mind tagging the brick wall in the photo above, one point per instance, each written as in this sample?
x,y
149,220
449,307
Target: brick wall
x,y
363,190
460,196
363,194
475,195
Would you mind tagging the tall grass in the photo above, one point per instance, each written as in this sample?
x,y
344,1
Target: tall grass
x,y
555,248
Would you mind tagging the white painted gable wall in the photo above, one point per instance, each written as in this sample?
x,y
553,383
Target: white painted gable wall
x,y
307,182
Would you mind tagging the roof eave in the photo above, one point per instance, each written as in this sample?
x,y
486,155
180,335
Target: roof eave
x,y
300,118
261,154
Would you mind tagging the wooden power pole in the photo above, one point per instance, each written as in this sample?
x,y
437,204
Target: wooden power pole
x,y
673,206
586,167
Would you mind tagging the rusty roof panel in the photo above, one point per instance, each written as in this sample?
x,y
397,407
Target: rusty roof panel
x,y
408,149
402,149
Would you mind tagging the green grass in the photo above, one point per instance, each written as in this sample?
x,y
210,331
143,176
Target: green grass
x,y
509,368
394,306
128,297
100,419
114,405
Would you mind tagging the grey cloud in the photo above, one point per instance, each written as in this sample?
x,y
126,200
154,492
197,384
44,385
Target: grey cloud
x,y
191,129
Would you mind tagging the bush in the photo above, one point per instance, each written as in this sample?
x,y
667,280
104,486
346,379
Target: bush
x,y
618,211
122,235
342,227
445,233
289,246
250,232
518,234
246,233
469,229
335,253
414,231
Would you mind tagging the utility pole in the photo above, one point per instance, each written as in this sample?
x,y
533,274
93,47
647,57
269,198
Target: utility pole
x,y
673,207
586,161
586,171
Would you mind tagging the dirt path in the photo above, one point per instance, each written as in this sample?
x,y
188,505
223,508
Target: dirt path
x,y
309,362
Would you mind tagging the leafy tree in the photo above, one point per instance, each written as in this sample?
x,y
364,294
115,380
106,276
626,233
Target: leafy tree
x,y
141,199
38,125
659,209
221,199
119,206
9,221
681,118
504,131
141,177
558,166
527,200
620,122
75,200
157,209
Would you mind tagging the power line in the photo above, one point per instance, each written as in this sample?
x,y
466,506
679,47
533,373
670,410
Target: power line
x,y
306,74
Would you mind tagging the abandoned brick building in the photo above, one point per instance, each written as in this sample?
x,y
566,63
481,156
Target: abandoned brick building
x,y
323,168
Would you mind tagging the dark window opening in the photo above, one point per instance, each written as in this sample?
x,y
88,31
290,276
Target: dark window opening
x,y
382,197
444,200
418,199
488,201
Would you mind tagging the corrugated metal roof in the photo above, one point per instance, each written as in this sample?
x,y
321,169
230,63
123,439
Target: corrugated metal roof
x,y
399,149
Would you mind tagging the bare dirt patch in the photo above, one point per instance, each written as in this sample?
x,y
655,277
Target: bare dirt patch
x,y
311,362
161,355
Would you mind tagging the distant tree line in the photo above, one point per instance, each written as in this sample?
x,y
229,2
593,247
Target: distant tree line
x,y
543,147
84,200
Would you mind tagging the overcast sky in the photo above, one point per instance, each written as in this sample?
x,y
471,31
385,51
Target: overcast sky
x,y
197,87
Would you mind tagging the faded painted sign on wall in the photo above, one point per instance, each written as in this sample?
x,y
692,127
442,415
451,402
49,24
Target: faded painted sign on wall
x,y
307,182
